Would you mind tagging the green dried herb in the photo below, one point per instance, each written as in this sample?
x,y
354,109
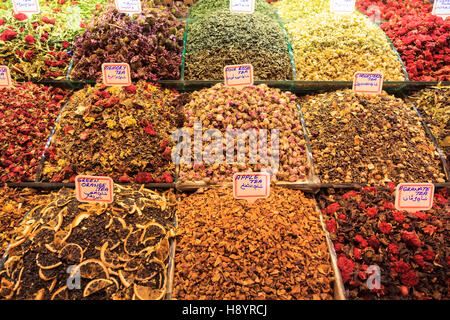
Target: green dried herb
x,y
205,7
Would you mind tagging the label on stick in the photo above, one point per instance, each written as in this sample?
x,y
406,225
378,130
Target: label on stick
x,y
238,75
242,6
5,77
26,6
116,74
128,6
94,189
251,185
414,196
441,8
342,6
368,82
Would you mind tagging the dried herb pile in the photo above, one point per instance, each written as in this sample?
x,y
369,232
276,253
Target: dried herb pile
x,y
151,44
120,250
251,108
27,115
223,38
300,9
120,132
230,249
179,9
204,7
330,47
368,139
411,249
434,105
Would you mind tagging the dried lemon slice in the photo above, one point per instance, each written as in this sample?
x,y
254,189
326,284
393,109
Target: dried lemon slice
x,y
56,223
62,235
149,270
131,244
47,261
148,293
111,260
47,274
127,278
96,286
72,253
79,218
43,235
40,295
162,249
60,294
92,268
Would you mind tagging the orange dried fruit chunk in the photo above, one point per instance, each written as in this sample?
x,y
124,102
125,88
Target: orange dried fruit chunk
x,y
162,249
127,278
47,261
72,253
148,293
96,286
61,294
92,268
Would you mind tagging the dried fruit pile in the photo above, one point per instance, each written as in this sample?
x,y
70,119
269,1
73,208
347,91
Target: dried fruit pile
x,y
250,109
224,38
368,139
120,132
151,44
204,7
117,251
271,249
27,115
434,106
330,47
421,38
300,9
411,249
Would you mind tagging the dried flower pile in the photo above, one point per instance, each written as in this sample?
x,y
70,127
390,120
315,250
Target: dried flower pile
x,y
411,249
120,132
369,139
421,38
330,47
230,249
179,9
151,43
204,7
27,115
119,251
300,9
224,38
252,108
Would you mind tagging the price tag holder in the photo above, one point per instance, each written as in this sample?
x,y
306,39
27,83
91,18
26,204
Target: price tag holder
x,y
414,196
251,185
5,77
242,6
238,75
342,6
128,6
116,74
368,82
94,189
441,8
26,6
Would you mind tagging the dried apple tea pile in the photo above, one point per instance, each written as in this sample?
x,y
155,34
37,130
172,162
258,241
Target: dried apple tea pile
x,y
252,108
117,251
271,249
120,132
411,249
368,139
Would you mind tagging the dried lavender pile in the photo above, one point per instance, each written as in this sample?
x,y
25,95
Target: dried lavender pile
x,y
368,139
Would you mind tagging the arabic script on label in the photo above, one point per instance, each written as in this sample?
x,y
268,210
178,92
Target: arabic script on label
x,y
242,6
128,6
238,75
414,196
5,76
94,189
116,74
26,6
368,82
441,8
251,185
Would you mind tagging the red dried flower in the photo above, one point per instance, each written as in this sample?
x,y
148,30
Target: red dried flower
x,y
409,278
29,39
338,246
374,242
124,179
2,21
65,44
362,205
350,194
47,20
401,266
342,216
372,212
332,208
388,205
346,266
385,227
428,255
144,177
411,238
398,216
370,189
360,239
419,260
8,35
357,253
131,89
20,16
331,226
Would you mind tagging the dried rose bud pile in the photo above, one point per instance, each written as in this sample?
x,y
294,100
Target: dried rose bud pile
x,y
151,43
230,249
410,249
249,109
330,47
120,132
120,251
27,115
368,139
422,39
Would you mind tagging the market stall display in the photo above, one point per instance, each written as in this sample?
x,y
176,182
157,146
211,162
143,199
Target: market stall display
x,y
68,250
290,10
205,7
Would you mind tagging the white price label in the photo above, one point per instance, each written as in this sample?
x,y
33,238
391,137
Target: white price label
x,y
26,6
414,196
238,75
94,189
251,185
5,77
342,6
242,6
128,6
441,8
368,82
116,74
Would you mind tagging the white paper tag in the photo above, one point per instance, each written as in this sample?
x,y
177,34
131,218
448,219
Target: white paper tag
x,y
116,74
26,6
368,82
94,189
5,76
242,6
128,6
238,75
251,185
414,196
441,8
342,6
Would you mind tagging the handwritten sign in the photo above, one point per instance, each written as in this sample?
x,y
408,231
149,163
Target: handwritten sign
x,y
116,74
441,8
238,75
26,6
94,189
128,6
414,196
368,82
242,6
342,6
5,77
251,185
